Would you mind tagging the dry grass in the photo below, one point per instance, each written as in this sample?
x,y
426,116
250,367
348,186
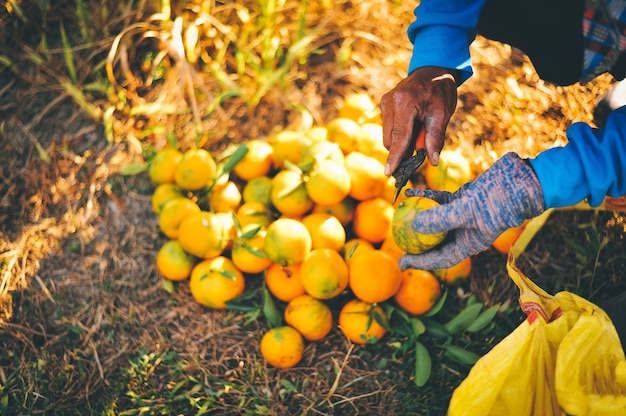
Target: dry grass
x,y
86,323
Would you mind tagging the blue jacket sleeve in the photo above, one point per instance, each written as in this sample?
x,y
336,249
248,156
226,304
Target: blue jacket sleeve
x,y
442,33
591,166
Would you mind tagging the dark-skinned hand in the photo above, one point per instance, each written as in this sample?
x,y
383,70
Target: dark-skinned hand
x,y
426,98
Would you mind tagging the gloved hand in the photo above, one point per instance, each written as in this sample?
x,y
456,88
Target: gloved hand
x,y
427,97
503,196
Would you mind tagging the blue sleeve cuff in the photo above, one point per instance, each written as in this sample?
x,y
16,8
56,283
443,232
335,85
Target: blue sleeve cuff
x,y
590,167
442,46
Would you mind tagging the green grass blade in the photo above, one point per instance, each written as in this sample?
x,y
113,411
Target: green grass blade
x,y
69,58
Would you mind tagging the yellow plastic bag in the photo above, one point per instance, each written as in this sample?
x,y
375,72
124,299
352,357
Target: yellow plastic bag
x,y
564,359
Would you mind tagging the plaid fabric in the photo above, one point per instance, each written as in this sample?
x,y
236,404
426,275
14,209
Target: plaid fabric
x,y
604,29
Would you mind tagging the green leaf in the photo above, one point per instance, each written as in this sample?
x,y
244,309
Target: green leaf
x,y
464,318
378,318
168,285
251,232
289,190
271,312
435,329
400,322
418,326
236,222
483,319
244,302
69,58
437,306
133,169
228,274
255,251
461,355
235,158
423,364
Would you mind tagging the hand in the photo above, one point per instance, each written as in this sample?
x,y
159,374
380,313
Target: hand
x,y
503,196
427,97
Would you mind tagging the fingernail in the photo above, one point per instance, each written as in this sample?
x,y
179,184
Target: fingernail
x,y
436,158
387,169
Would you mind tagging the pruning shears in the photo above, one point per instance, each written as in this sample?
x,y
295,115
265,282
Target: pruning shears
x,y
408,166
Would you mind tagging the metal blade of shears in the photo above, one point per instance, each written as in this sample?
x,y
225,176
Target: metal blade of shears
x,y
406,169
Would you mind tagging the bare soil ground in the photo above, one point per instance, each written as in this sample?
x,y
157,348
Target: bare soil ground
x,y
83,304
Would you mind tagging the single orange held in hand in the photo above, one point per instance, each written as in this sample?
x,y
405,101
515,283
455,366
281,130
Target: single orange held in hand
x,y
404,235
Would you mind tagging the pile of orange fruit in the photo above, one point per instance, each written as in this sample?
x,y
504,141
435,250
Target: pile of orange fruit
x,y
309,214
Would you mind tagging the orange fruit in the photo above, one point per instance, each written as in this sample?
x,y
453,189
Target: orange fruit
x,y
367,176
405,237
358,107
456,274
287,241
326,230
310,316
173,262
289,195
419,291
215,281
353,248
389,245
225,197
173,213
450,174
284,282
257,161
254,212
507,238
370,138
358,321
205,234
247,253
195,170
344,211
163,193
345,132
317,134
372,219
324,273
374,276
282,347
288,146
328,183
258,189
163,165
322,150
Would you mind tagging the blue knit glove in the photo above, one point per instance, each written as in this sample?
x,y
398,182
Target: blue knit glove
x,y
503,196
